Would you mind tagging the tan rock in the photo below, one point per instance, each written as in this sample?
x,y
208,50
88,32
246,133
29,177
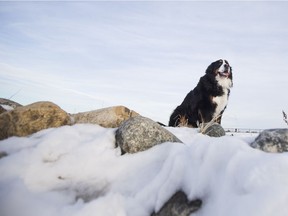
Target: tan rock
x,y
110,117
26,120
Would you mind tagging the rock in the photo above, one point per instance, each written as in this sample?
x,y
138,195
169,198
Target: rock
x,y
2,109
110,117
3,154
272,140
213,130
26,120
140,133
6,105
179,205
9,103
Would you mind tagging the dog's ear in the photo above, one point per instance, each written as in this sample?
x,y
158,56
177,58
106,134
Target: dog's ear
x,y
211,68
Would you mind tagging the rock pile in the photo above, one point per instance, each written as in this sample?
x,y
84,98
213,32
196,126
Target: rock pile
x,y
21,120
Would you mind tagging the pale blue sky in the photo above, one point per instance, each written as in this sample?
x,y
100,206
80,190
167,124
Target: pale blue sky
x,y
145,55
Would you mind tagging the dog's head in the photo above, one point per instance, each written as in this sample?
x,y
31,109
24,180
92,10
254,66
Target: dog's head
x,y
220,68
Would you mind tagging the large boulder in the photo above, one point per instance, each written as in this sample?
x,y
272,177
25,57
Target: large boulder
x,y
26,120
140,133
272,140
110,117
179,205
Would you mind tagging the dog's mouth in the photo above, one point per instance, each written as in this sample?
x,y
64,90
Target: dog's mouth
x,y
225,73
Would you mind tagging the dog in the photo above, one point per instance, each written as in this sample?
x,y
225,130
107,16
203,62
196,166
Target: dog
x,y
208,100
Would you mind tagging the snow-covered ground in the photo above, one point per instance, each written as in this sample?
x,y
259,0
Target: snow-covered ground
x,y
75,170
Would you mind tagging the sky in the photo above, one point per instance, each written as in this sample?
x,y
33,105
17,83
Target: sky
x,y
145,55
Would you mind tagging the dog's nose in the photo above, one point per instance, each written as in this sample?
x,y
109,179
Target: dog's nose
x,y
226,66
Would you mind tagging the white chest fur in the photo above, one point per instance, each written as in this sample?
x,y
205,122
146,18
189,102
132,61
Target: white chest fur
x,y
222,101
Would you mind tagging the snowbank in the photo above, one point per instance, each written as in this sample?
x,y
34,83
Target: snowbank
x,y
75,170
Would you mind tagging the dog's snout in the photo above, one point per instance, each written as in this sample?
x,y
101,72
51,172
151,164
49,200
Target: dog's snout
x,y
226,66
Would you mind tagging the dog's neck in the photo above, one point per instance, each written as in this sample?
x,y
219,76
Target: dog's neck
x,y
224,82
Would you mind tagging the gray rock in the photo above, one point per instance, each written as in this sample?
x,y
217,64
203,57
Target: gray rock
x,y
272,140
9,103
179,205
213,130
3,154
140,133
6,102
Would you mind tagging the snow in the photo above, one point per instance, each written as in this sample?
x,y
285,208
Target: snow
x,y
76,170
6,107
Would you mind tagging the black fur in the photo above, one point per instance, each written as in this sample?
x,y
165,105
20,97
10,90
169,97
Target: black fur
x,y
198,105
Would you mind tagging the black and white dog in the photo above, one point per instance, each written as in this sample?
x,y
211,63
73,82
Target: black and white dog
x,y
208,100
